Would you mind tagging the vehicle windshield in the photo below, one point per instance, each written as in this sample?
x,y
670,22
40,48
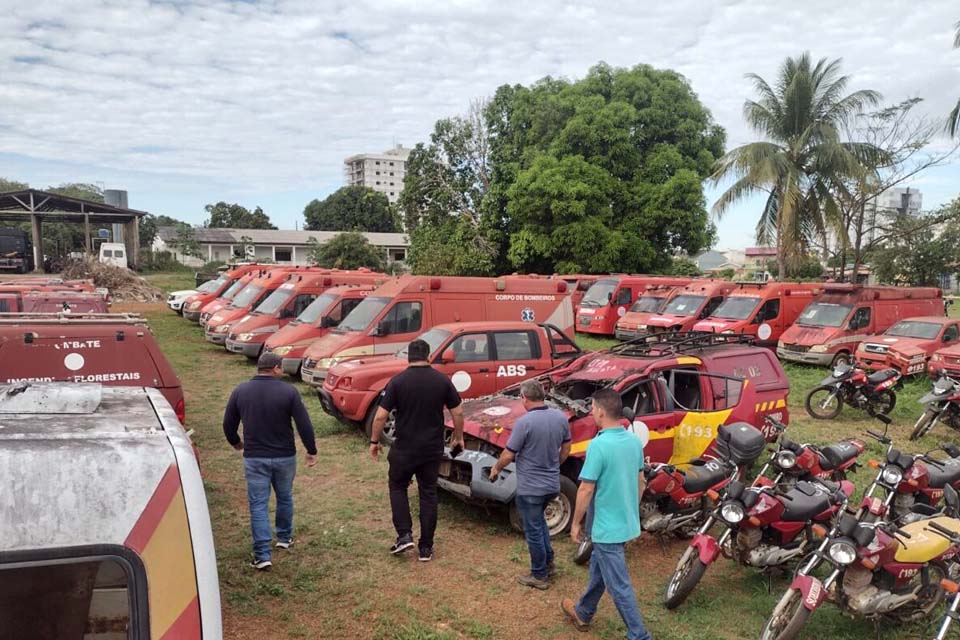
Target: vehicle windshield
x,y
684,305
434,338
364,313
599,293
647,304
234,289
315,310
275,301
211,286
737,308
246,297
824,314
914,329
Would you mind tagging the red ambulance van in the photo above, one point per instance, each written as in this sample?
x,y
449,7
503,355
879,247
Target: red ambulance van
x,y
689,305
764,310
608,299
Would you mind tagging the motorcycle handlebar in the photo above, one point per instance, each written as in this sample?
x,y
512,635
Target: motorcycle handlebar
x,y
877,436
946,533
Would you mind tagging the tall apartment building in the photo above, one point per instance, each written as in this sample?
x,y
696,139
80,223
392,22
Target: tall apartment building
x,y
381,172
892,201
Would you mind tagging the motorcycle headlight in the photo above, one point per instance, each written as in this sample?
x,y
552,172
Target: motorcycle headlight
x,y
839,371
245,337
282,351
891,475
843,552
786,459
732,512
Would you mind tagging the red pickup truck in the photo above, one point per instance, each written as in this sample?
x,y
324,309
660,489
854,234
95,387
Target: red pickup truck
x,y
479,357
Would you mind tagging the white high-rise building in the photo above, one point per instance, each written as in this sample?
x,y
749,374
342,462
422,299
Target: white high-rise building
x,y
891,202
381,172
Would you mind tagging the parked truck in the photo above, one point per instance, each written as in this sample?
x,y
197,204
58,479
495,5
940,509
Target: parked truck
x,y
16,251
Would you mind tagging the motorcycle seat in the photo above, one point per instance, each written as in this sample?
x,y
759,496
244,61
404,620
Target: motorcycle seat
x,y
805,501
835,455
881,376
947,474
701,477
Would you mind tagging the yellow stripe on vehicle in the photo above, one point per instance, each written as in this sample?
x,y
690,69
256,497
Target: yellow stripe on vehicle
x,y
695,433
688,360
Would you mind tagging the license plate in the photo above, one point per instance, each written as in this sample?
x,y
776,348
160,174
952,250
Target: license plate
x,y
445,468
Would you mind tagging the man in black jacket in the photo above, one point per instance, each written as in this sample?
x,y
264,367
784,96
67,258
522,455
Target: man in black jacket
x,y
266,405
418,395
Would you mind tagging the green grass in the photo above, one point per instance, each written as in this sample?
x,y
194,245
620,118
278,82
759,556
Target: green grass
x,y
340,583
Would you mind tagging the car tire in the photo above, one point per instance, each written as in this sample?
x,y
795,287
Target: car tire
x,y
841,358
559,512
389,430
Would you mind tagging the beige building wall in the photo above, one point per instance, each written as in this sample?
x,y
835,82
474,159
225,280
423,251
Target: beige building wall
x,y
381,172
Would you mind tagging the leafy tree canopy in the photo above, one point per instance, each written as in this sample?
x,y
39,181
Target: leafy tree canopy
x,y
347,250
352,208
225,215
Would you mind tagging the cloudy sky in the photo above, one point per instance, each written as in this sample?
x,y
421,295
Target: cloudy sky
x,y
183,103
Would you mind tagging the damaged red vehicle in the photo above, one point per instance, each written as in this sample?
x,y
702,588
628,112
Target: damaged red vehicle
x,y
677,389
908,345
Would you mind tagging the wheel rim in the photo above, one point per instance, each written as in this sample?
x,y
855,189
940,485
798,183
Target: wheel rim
x,y
390,428
781,616
829,404
557,514
681,572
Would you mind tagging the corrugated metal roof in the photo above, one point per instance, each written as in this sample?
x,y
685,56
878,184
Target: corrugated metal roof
x,y
279,237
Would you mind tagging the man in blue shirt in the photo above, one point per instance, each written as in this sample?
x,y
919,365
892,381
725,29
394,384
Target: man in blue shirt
x,y
540,442
266,406
612,476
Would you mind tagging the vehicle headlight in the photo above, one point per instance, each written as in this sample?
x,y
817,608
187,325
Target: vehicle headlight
x,y
891,475
818,348
843,552
786,459
641,327
732,512
937,357
326,363
245,337
223,328
282,351
196,304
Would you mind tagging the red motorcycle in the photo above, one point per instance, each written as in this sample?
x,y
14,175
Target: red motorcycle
x,y
792,462
874,393
943,405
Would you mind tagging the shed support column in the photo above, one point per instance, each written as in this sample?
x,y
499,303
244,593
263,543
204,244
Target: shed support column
x,y
131,241
37,242
87,240
209,253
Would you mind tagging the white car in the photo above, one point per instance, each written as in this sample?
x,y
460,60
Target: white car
x,y
175,299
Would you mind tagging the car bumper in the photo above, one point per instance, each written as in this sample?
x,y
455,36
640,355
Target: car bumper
x,y
346,405
468,477
176,305
216,338
291,366
594,327
313,377
875,364
328,405
249,349
192,316
821,359
626,334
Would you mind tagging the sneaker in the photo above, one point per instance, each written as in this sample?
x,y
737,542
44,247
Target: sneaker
x,y
426,554
402,544
261,565
531,580
284,544
551,569
569,608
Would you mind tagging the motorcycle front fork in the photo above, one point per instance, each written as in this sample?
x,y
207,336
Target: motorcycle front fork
x,y
948,617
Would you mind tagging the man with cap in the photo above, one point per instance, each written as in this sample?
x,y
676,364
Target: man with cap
x,y
418,395
266,405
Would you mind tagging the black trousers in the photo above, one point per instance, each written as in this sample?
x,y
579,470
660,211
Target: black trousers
x,y
404,466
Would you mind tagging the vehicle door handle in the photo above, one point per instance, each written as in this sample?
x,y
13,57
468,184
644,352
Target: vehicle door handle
x,y
483,370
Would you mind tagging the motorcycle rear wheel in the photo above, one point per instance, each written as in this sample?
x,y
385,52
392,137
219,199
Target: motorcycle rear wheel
x,y
931,595
818,408
787,618
684,579
883,402
924,424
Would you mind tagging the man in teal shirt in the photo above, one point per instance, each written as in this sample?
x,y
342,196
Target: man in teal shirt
x,y
612,476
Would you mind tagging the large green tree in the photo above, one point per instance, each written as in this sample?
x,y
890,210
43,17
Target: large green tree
x,y
224,215
12,185
149,224
602,174
352,208
801,156
916,251
348,250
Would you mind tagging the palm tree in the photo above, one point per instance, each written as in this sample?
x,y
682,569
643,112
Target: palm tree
x,y
953,120
800,157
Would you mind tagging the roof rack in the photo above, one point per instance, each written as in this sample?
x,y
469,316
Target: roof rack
x,y
7,319
673,342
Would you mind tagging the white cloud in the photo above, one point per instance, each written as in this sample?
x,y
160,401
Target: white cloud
x,y
271,96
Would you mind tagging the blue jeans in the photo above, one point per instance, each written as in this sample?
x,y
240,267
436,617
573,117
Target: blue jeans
x,y
535,529
608,570
262,473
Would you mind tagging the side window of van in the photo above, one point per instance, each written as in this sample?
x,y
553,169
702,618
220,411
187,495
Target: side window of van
x,y
471,347
861,319
405,317
770,310
951,333
624,296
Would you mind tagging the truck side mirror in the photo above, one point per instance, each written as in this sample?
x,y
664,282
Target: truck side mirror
x,y
382,329
609,297
629,414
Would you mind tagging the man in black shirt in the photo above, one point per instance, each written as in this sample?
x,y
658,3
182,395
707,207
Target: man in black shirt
x,y
266,405
418,395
